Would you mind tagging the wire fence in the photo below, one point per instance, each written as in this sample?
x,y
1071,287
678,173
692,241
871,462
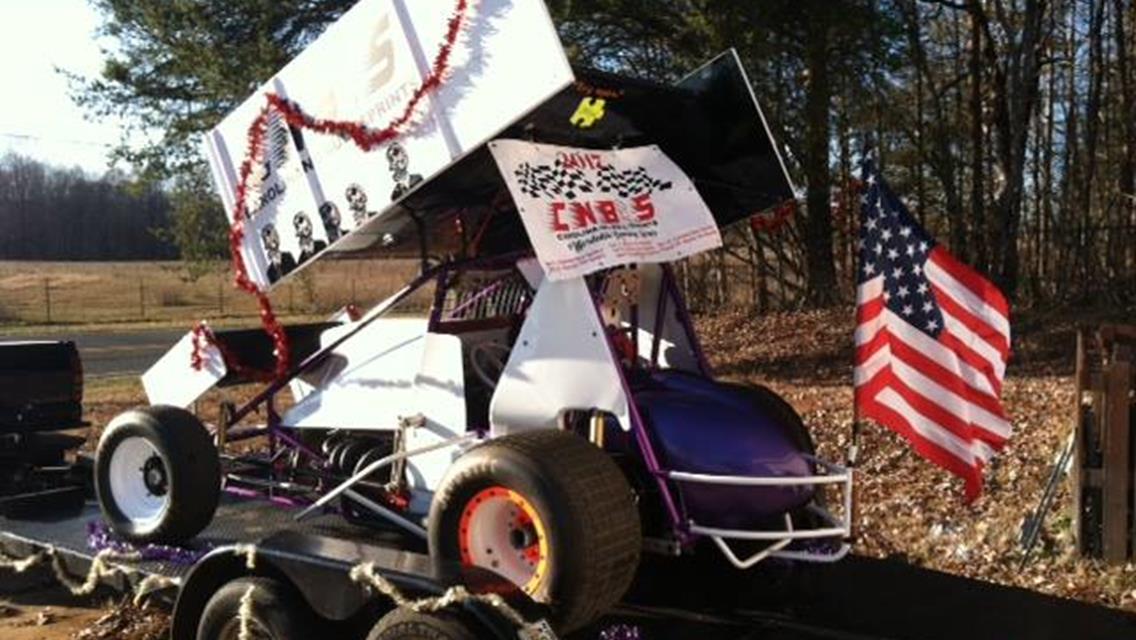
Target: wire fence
x,y
105,292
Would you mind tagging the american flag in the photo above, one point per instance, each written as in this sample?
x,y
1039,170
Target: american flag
x,y
932,340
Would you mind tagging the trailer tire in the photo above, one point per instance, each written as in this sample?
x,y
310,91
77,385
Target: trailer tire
x,y
157,475
404,624
275,612
560,510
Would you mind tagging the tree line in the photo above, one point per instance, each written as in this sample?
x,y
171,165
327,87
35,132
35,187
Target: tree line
x,y
49,213
1008,126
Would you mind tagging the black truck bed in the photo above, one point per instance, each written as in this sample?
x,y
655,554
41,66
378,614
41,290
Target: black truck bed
x,y
41,386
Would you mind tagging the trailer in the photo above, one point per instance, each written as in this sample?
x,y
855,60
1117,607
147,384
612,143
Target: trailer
x,y
256,568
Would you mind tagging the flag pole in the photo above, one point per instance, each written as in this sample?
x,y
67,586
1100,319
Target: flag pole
x,y
853,454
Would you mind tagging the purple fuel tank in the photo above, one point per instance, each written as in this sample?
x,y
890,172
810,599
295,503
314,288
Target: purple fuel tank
x,y
698,425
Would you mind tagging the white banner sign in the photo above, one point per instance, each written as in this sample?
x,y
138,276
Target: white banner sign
x,y
586,210
315,190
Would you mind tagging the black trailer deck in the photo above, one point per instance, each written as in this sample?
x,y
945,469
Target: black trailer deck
x,y
856,599
236,522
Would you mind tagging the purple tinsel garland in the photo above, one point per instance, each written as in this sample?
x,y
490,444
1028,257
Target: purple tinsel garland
x,y
621,632
99,538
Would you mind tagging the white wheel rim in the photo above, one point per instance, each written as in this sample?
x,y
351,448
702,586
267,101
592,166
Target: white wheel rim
x,y
128,487
492,528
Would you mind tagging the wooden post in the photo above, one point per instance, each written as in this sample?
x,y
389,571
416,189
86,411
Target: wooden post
x,y
1104,514
1080,380
47,298
1117,471
1122,411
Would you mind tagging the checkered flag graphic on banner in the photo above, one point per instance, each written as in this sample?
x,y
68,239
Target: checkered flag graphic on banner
x,y
631,182
552,181
556,181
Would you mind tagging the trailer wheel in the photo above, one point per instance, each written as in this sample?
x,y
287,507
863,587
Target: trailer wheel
x,y
404,624
273,612
157,475
546,510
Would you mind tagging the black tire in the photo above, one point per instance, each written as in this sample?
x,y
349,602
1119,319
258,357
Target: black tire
x,y
404,624
188,460
276,612
582,498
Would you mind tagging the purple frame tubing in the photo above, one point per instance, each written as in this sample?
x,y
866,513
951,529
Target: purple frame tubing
x,y
642,440
282,501
668,290
475,298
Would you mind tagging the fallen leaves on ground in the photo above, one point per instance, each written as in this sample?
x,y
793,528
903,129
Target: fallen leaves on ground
x,y
128,622
909,508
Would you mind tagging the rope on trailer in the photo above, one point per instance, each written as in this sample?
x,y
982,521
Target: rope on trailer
x,y
100,568
20,565
150,584
245,615
103,565
365,573
249,552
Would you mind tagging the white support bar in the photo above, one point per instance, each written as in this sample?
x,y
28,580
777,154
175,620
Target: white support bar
x,y
743,534
750,481
779,540
752,560
814,556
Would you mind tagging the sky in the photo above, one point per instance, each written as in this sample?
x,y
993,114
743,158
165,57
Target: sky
x,y
37,117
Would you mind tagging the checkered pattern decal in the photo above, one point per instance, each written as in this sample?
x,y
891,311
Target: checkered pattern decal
x,y
557,181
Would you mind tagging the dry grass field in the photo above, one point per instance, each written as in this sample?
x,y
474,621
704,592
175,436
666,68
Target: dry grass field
x,y
86,293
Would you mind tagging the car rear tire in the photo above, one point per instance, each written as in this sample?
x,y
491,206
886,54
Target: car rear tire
x,y
403,624
547,510
157,475
274,612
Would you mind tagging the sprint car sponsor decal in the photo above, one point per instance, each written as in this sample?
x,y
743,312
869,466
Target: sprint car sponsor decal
x,y
586,210
590,111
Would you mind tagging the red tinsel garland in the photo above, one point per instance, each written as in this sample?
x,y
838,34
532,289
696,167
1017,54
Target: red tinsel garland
x,y
364,137
202,334
774,220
